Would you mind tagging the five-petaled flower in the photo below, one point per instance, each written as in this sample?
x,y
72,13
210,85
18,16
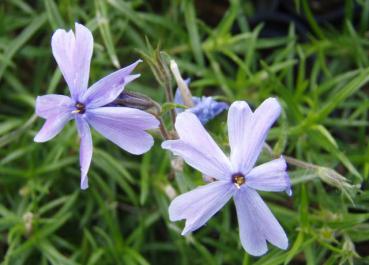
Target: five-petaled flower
x,y
235,176
123,126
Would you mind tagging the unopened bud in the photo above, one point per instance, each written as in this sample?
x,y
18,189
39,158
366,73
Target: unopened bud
x,y
27,219
24,191
170,192
177,164
349,249
137,101
327,234
333,178
208,178
182,86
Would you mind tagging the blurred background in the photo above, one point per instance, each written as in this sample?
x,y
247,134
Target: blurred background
x,y
312,55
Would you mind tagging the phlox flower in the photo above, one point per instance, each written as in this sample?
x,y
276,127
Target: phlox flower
x,y
205,108
235,176
88,107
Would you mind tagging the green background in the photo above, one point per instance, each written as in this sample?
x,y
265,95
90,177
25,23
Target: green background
x,y
122,218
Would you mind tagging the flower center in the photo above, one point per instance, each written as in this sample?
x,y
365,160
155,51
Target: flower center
x,y
80,108
238,179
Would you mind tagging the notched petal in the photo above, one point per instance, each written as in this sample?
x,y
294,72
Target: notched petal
x,y
53,105
199,205
124,126
110,87
255,133
270,176
239,118
257,223
193,134
205,162
86,149
73,52
51,128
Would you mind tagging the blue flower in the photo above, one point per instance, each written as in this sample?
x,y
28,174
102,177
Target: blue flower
x,y
235,175
126,127
205,108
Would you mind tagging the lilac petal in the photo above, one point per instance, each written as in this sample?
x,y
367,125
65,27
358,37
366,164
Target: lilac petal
x,y
270,176
124,126
257,223
195,139
130,116
73,54
204,162
52,127
239,117
85,152
53,105
108,88
199,205
256,131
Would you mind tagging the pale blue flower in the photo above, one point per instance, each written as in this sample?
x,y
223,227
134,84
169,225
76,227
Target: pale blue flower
x,y
88,107
235,176
205,108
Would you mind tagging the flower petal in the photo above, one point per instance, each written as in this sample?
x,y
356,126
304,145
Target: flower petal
x,y
206,108
194,139
52,127
257,223
204,162
124,126
270,176
85,152
256,131
199,205
53,105
239,117
108,88
73,54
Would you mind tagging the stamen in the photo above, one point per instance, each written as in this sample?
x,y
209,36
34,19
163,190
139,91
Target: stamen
x,y
238,179
80,108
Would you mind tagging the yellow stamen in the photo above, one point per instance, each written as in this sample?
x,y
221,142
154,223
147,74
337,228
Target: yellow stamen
x,y
238,179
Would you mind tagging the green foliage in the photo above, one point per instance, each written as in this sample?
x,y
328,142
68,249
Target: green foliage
x,y
122,218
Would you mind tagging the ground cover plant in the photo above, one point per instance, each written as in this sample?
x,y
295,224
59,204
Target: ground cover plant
x,y
313,59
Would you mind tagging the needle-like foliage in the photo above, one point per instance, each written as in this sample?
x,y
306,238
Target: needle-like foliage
x,y
320,79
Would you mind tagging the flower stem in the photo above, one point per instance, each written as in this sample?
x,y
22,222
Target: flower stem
x,y
291,160
170,98
162,128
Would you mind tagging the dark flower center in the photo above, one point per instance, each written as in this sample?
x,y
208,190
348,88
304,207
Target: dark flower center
x,y
80,108
238,179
